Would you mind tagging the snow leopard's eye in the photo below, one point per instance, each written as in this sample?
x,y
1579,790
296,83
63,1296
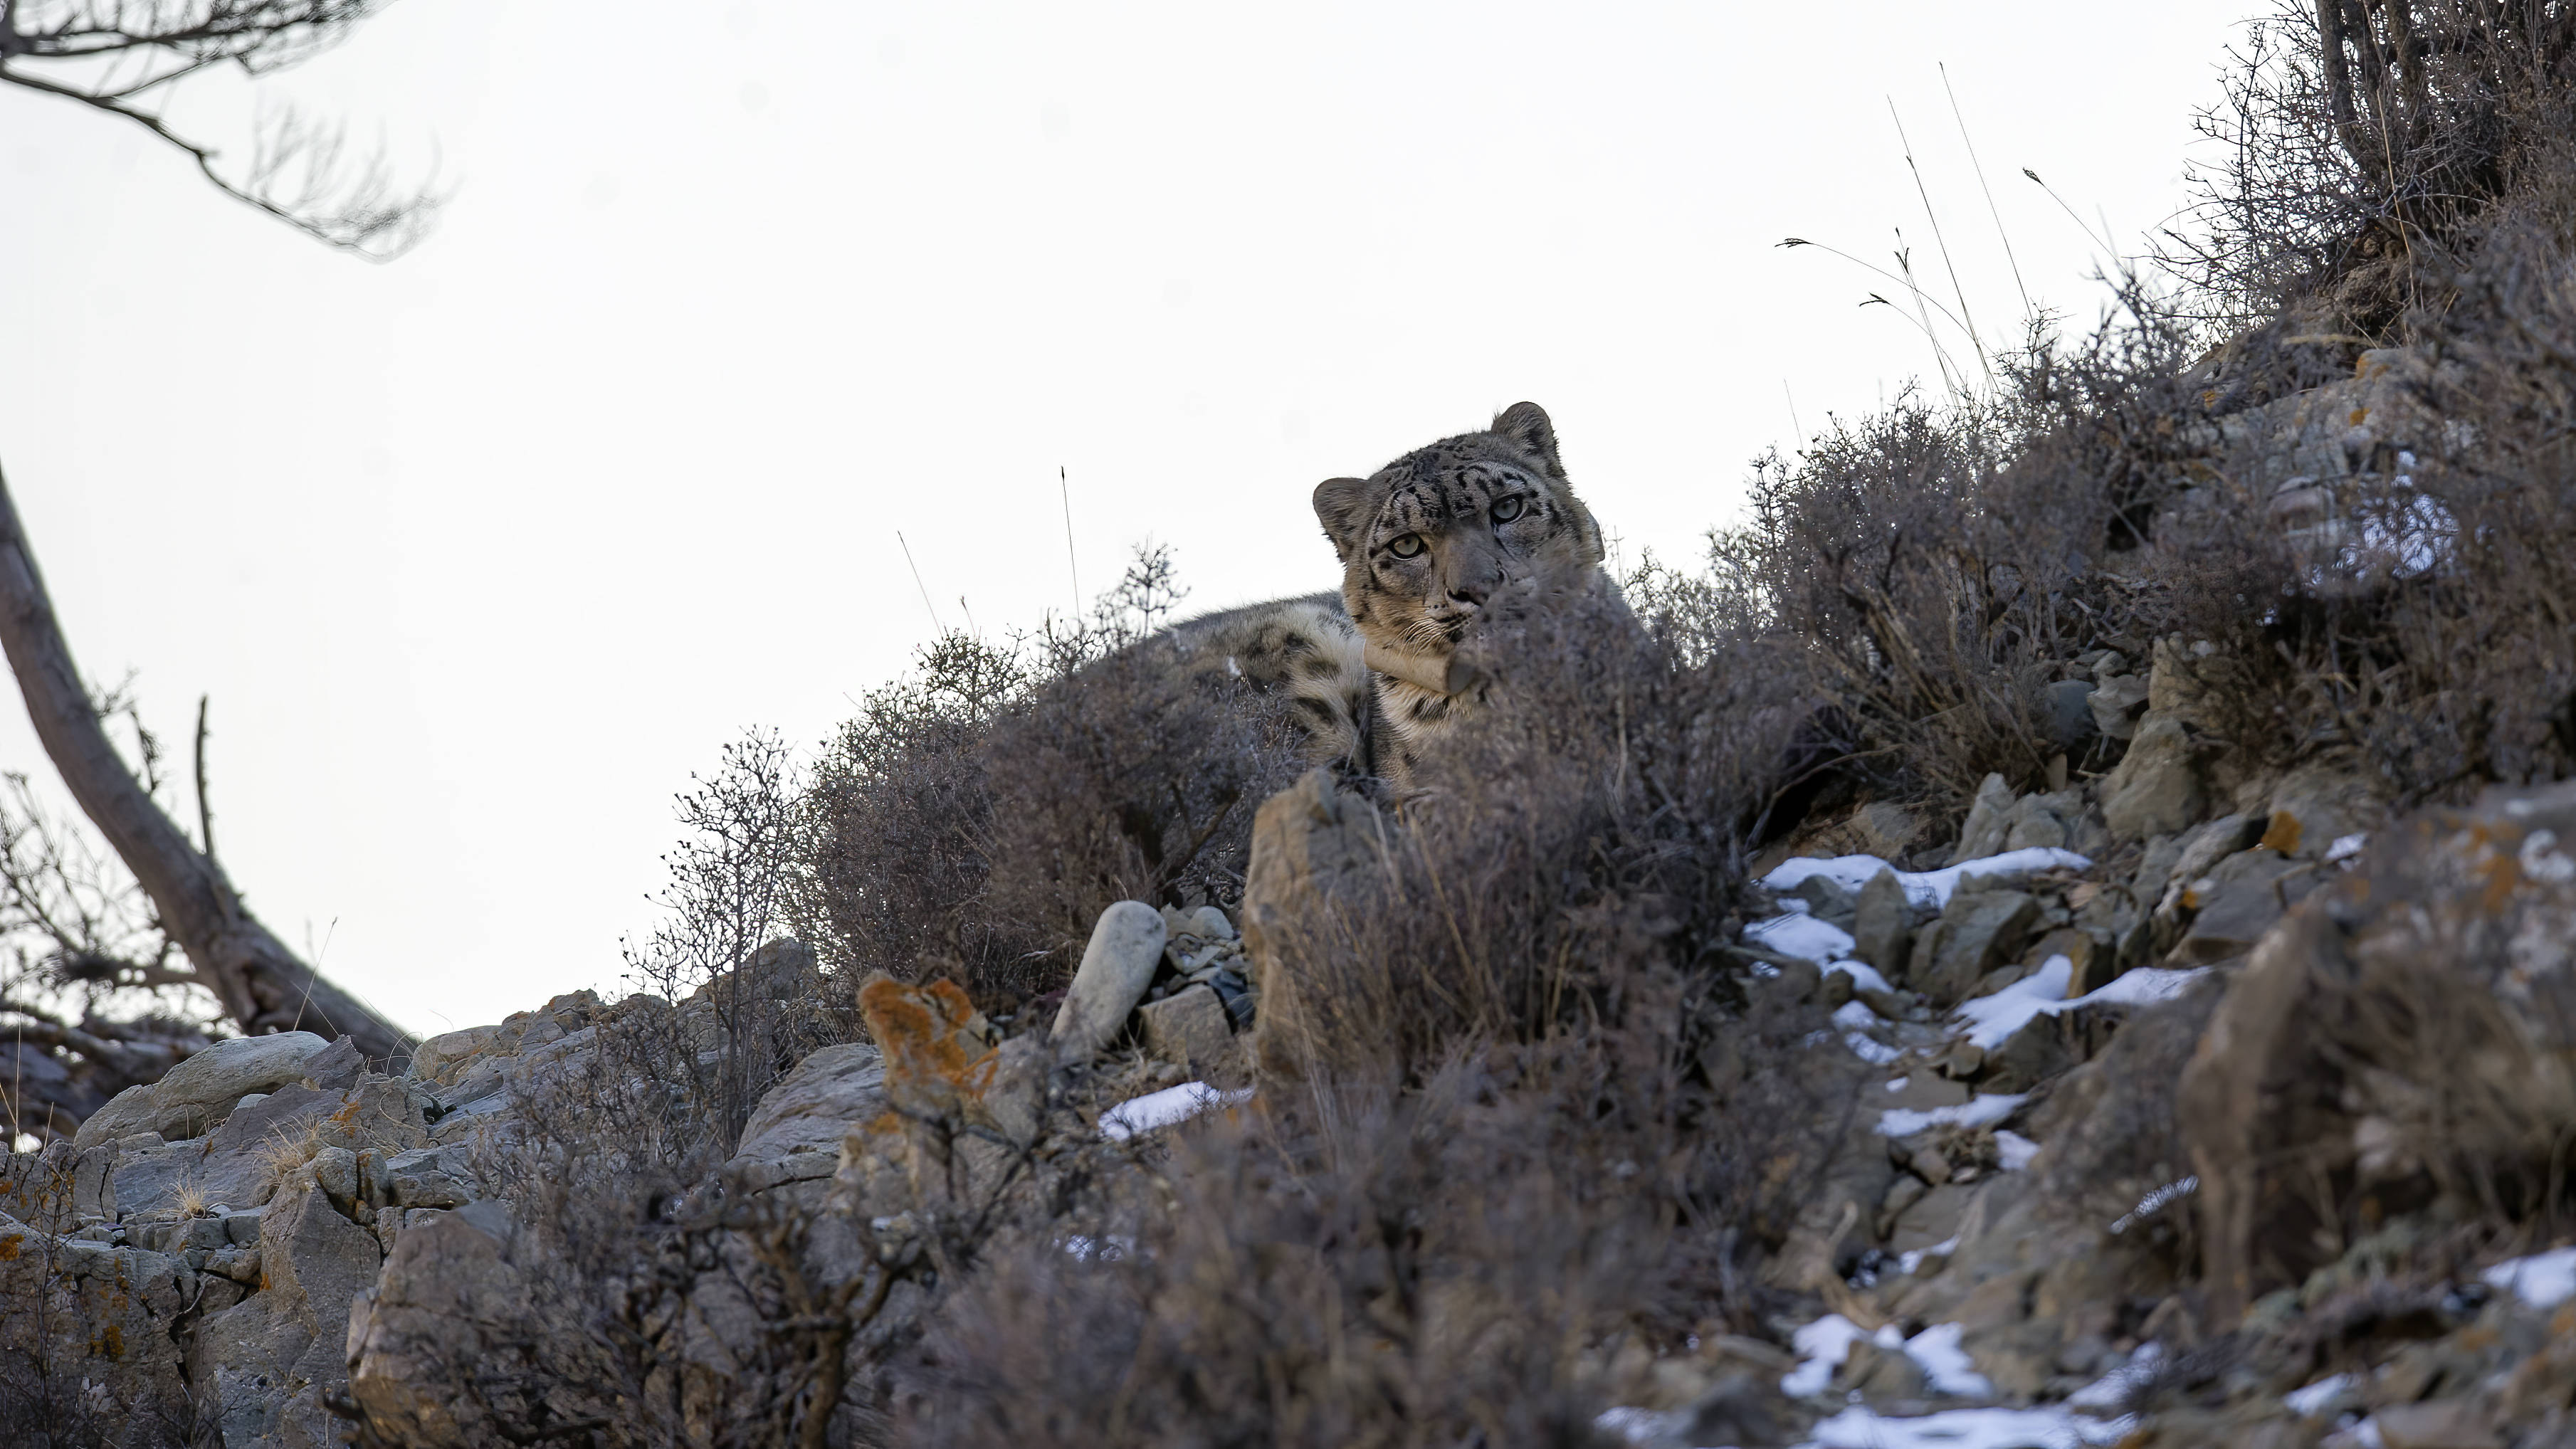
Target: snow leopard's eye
x,y
1409,546
1507,510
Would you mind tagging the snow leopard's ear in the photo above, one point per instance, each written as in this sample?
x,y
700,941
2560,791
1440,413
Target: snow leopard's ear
x,y
1525,426
1340,505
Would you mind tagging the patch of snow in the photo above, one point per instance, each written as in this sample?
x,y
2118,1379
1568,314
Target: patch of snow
x,y
2051,1428
1946,1364
1105,1250
1975,1112
1161,1109
1852,1016
1864,976
2113,1389
2317,1397
1870,1051
2015,1150
1822,1346
2345,847
1910,1261
1924,888
1634,1426
2367,1432
1801,935
2543,1280
1993,1019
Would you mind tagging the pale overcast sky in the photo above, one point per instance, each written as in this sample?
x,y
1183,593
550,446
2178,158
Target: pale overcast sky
x,y
480,553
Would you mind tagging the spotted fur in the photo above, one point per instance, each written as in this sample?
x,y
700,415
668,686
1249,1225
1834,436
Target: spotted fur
x,y
1430,541
1427,544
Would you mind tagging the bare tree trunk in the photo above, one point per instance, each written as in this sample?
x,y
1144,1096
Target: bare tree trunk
x,y
258,980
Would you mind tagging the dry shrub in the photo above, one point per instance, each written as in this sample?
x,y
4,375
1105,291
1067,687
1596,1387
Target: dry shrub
x,y
1539,1118
2359,146
976,818
2458,668
1350,1265
1921,574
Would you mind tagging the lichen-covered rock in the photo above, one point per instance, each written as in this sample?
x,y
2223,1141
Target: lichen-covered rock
x,y
2409,1030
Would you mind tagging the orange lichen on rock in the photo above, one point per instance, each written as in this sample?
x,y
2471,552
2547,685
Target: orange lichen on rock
x,y
938,1048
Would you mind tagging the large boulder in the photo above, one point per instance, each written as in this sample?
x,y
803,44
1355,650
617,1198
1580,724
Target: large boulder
x,y
447,1294
795,1134
269,1363
97,1315
2407,1033
202,1090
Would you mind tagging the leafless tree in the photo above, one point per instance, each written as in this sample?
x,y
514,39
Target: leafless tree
x,y
125,57
113,970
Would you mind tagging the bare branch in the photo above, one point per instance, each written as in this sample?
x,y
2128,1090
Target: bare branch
x,y
114,54
261,984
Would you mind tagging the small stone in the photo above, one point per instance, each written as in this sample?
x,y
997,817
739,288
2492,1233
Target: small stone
x,y
1188,1029
1126,946
1235,994
1209,924
1886,831
1882,923
2156,788
1975,935
336,1067
2114,704
1983,833
2067,707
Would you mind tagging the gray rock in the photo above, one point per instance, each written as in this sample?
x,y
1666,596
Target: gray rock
x,y
1983,833
1826,900
1883,924
337,1066
448,1280
2067,706
1886,831
201,1091
795,1134
437,1060
2114,704
1126,946
2156,788
271,1360
430,1177
1188,1029
1975,935
2237,903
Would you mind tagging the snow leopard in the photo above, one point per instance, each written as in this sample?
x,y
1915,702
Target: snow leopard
x,y
1428,544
